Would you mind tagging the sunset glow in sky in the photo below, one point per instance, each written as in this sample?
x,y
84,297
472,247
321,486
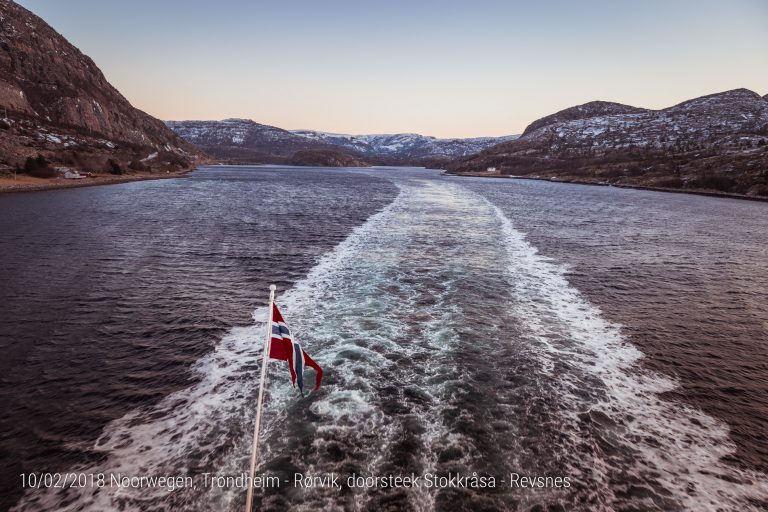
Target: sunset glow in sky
x,y
442,67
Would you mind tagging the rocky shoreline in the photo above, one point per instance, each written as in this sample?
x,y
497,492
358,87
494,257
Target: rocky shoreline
x,y
25,184
698,192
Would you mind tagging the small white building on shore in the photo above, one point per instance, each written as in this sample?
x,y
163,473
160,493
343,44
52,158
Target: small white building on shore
x,y
69,174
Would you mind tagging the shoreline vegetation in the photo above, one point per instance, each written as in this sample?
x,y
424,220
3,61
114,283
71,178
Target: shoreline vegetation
x,y
693,191
26,183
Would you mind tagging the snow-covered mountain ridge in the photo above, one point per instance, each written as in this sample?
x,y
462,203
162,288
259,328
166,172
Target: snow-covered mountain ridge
x,y
714,142
245,139
405,145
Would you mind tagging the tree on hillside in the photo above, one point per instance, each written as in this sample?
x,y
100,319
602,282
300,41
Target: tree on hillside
x,y
114,167
38,167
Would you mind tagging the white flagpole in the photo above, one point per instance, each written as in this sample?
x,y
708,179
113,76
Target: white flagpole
x,y
262,384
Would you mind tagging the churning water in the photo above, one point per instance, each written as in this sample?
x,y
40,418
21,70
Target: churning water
x,y
450,342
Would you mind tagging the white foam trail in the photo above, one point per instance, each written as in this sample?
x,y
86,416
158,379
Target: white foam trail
x,y
160,440
209,424
207,427
680,444
352,294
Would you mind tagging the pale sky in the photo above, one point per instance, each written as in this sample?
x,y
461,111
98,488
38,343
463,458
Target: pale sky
x,y
437,67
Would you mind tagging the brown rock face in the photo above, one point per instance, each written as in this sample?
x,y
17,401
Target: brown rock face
x,y
47,81
717,142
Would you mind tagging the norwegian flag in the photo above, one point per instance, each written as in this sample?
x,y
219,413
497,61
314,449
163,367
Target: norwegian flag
x,y
283,347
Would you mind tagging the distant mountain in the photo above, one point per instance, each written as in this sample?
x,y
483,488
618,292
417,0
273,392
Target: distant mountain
x,y
325,158
55,101
245,140
716,142
404,146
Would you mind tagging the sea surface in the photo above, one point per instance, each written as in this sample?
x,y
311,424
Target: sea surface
x,y
466,326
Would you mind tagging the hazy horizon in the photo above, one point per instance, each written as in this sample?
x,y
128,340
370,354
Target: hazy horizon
x,y
446,69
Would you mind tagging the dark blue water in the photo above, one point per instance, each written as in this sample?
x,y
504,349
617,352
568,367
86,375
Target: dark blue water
x,y
614,337
110,293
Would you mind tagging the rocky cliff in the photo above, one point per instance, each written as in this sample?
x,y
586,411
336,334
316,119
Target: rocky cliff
x,y
55,101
